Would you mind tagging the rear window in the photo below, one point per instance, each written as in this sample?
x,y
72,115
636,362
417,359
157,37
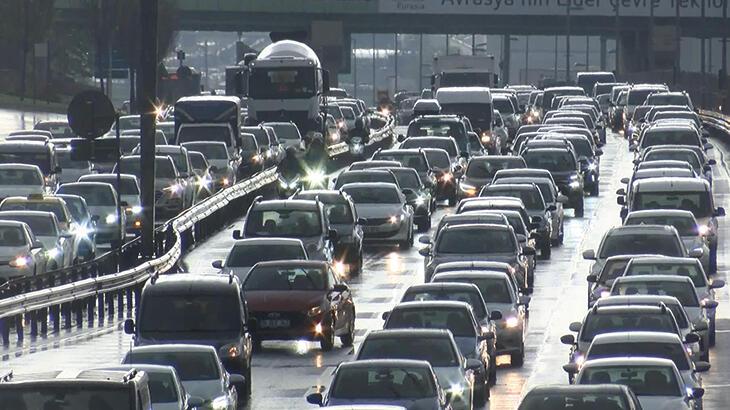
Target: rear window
x,y
383,383
95,195
20,177
596,324
127,186
45,206
438,351
66,396
249,255
213,151
11,236
475,241
697,202
415,161
189,314
373,195
672,351
285,279
189,365
40,225
638,243
669,137
683,291
685,226
472,298
531,198
456,320
41,159
643,380
486,168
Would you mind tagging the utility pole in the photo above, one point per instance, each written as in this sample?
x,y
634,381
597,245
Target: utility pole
x,y
148,82
588,61
395,58
375,93
354,67
24,65
420,62
527,59
555,75
618,39
567,43
677,38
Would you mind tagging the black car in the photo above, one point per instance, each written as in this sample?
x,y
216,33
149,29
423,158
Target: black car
x,y
565,169
481,170
199,309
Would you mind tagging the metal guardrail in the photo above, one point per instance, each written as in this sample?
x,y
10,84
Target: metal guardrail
x,y
719,122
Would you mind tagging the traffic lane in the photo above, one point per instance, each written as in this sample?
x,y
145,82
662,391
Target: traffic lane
x,y
13,120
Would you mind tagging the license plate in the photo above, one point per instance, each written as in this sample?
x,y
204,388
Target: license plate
x,y
274,323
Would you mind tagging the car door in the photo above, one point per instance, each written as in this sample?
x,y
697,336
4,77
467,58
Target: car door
x,y
37,254
340,302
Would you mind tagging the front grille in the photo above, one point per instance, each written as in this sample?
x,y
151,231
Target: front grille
x,y
376,221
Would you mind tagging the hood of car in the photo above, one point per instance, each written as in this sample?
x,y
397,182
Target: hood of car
x,y
378,210
430,403
283,301
7,253
205,389
663,402
16,190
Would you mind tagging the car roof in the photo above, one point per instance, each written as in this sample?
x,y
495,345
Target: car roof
x,y
527,186
633,300
482,226
86,178
579,388
670,183
371,185
19,166
445,286
661,212
664,260
11,222
268,241
43,214
413,333
294,263
98,185
628,361
634,229
635,337
173,347
472,275
25,146
452,304
191,284
286,204
654,278
474,264
640,309
385,363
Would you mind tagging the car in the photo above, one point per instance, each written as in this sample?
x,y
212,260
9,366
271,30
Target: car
x,y
536,206
201,175
693,344
20,180
166,388
385,383
71,169
680,153
224,169
343,218
599,396
370,164
588,158
669,98
565,169
444,171
636,95
58,128
21,253
649,344
664,164
297,219
411,158
480,171
386,213
179,155
200,370
685,223
95,389
689,194
287,133
509,113
669,134
445,143
129,192
452,126
199,309
246,253
273,151
293,300
681,287
637,239
501,295
367,175
458,318
43,155
104,206
417,195
461,292
485,242
435,346
168,184
656,382
84,225
57,243
599,284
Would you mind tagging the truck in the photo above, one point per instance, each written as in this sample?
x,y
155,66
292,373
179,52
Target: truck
x,y
209,118
286,82
463,71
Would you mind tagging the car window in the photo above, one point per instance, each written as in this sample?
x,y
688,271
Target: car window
x,y
283,222
272,278
672,351
475,241
438,351
629,321
41,159
399,383
486,168
661,136
531,198
162,387
175,313
683,291
685,226
686,156
40,225
286,131
46,206
95,195
638,243
643,380
20,177
339,214
456,320
127,186
189,365
409,160
612,270
164,167
76,208
407,178
551,160
360,176
692,271
697,202
213,151
11,236
438,159
571,400
247,255
494,290
472,298
66,397
373,195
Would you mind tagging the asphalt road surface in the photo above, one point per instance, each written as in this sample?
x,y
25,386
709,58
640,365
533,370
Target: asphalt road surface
x,y
285,372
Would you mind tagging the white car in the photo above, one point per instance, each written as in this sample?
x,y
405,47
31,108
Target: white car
x,y
200,370
129,193
20,180
656,382
21,254
58,244
103,204
388,217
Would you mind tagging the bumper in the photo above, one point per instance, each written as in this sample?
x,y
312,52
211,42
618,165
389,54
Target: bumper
x,y
387,232
509,339
298,329
8,272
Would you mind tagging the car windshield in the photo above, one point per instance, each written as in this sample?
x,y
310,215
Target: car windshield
x,y
582,147
456,320
163,167
574,401
40,225
76,208
128,186
95,195
476,112
643,380
504,106
41,159
284,222
286,131
552,160
476,240
11,236
67,396
451,129
486,168
532,198
43,206
247,255
213,151
373,195
282,83
439,159
261,136
672,351
189,365
683,291
65,161
697,202
334,111
438,351
197,160
670,137
348,113
690,270
637,96
191,314
20,177
407,178
638,243
447,145
383,383
494,290
612,270
685,156
472,298
415,161
517,224
685,226
162,387
338,214
204,133
667,99
630,321
180,159
285,278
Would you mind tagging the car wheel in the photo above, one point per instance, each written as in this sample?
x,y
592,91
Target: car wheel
x,y
518,359
713,259
493,371
327,341
408,242
546,251
579,208
711,334
349,338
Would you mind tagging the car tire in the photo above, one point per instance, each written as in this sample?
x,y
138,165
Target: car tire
x,y
349,338
408,243
579,208
546,251
518,359
711,334
492,371
425,224
594,189
713,259
327,341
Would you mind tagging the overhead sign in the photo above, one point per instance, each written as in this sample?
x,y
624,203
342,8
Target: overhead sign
x,y
633,8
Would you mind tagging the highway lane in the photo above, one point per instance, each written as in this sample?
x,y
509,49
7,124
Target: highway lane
x,y
11,120
284,372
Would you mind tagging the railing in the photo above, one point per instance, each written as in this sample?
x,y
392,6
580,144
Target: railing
x,y
716,121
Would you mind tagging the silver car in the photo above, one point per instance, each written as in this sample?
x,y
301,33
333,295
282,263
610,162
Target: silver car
x,y
222,165
386,215
245,253
129,194
21,180
21,254
104,205
58,244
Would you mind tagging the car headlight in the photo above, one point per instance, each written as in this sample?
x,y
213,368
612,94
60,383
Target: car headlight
x,y
110,219
574,184
219,403
83,231
53,253
703,229
395,219
512,321
316,177
256,158
334,137
136,209
314,311
20,262
203,182
229,350
468,189
592,166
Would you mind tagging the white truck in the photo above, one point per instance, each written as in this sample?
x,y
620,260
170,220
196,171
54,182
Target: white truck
x,y
463,71
286,82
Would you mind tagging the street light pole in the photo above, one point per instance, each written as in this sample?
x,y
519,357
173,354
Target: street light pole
x,y
395,57
420,62
567,44
618,39
354,67
527,59
375,93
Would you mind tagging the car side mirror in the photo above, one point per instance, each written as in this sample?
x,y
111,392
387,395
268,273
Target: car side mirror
x,y
237,234
707,146
486,336
589,254
407,191
621,192
495,315
385,315
696,253
692,338
570,368
535,220
621,200
195,402
717,284
521,238
706,168
575,327
325,81
332,235
528,251
633,147
719,211
425,251
624,180
552,208
129,327
315,398
361,221
701,367
213,168
218,264
37,245
473,364
424,239
567,339
340,287
592,278
236,379
401,137
563,199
